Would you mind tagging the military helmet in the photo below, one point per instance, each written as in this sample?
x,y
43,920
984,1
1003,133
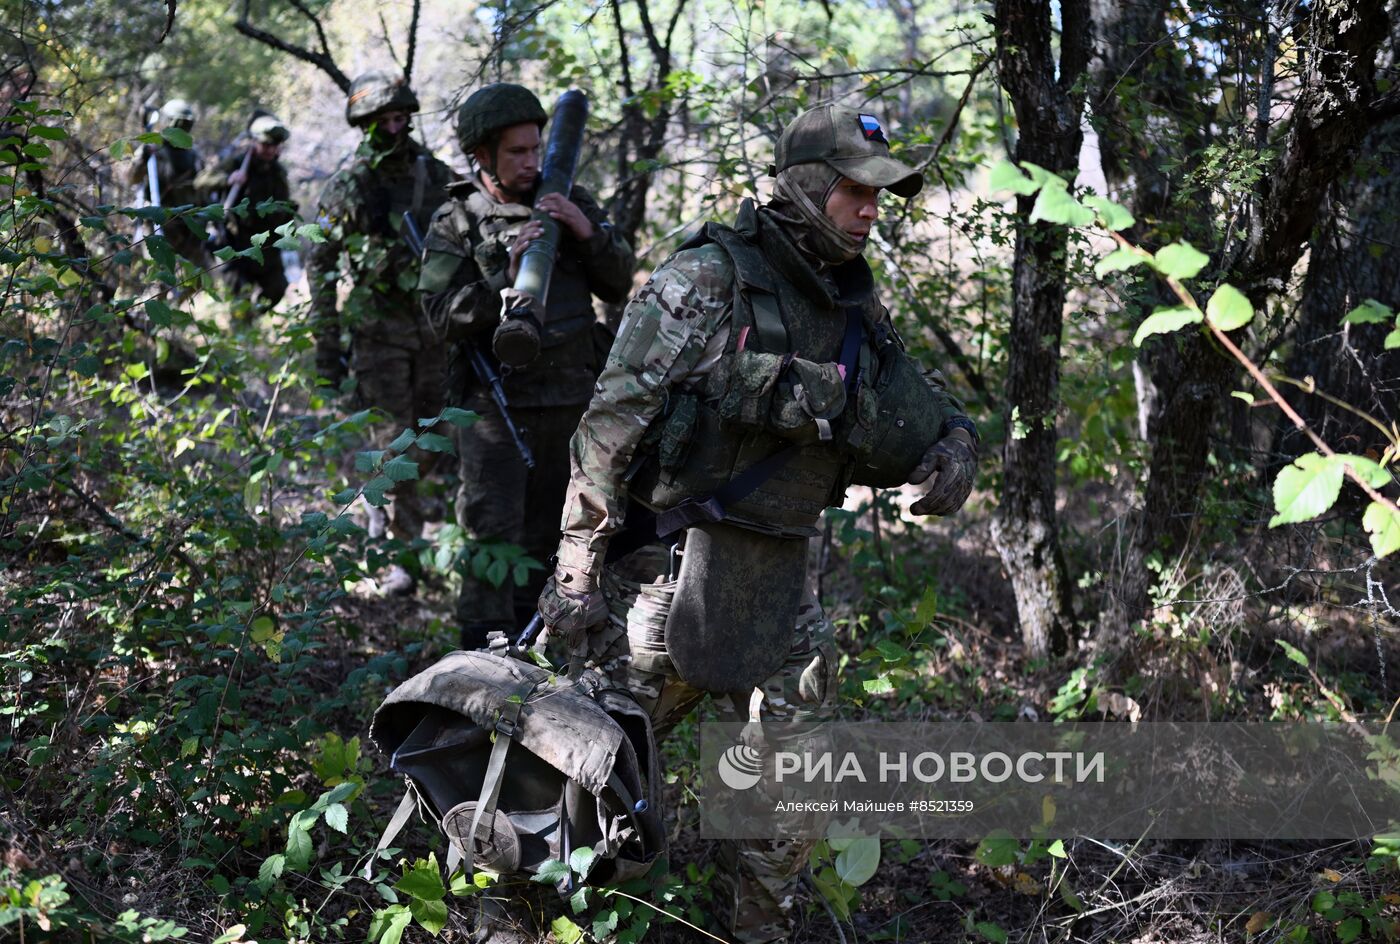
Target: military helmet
x,y
850,142
373,93
267,129
494,107
177,113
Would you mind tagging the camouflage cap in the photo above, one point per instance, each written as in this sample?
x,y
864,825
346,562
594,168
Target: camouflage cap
x,y
373,93
494,107
267,129
850,142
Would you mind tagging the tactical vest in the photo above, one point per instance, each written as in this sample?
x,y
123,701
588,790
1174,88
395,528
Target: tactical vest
x,y
776,385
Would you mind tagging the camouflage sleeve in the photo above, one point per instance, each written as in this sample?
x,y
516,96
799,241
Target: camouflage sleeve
x,y
610,258
663,337
457,299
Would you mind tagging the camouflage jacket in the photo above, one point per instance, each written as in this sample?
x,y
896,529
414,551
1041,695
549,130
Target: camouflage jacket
x,y
176,170
674,333
267,180
465,266
361,212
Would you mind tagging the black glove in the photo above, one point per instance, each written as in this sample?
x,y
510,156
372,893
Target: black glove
x,y
950,466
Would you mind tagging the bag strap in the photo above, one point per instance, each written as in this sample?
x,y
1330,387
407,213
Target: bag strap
x,y
396,824
507,725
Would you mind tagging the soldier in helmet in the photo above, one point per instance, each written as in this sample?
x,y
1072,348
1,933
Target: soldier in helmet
x,y
396,362
253,173
473,250
176,170
754,378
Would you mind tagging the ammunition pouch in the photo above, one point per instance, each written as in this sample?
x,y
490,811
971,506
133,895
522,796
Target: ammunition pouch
x,y
910,416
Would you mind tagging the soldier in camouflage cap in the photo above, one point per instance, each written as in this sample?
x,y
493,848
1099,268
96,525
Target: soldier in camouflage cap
x,y
176,173
253,173
377,335
473,251
754,378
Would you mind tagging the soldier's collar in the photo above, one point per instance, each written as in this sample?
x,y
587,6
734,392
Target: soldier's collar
x,y
782,253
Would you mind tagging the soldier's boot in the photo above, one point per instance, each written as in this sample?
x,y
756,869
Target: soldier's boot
x,y
397,582
757,884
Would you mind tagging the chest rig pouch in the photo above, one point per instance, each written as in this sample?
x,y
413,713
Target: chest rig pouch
x,y
530,764
739,587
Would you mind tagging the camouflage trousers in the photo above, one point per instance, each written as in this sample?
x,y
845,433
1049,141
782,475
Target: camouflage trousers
x,y
405,383
500,500
757,880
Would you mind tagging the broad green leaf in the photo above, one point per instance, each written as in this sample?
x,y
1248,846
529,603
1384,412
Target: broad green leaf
x,y
312,232
298,848
271,869
432,915
858,862
159,313
1007,176
1057,849
262,628
1165,321
1041,176
1179,260
1242,395
1115,216
347,789
403,440
1368,470
433,442
423,880
551,872
998,848
581,860
1055,205
1369,312
565,931
49,133
992,932
880,685
892,652
1228,309
1306,489
397,921
401,469
1293,652
178,137
1383,524
337,817
458,416
1117,261
1392,340
233,934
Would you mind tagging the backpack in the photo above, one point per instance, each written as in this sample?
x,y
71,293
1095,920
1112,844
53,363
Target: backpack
x,y
533,764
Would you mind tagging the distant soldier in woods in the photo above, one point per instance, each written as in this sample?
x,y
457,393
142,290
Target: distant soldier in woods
x,y
396,361
473,251
175,173
255,174
755,377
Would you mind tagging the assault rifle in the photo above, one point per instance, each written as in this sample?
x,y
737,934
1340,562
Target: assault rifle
x,y
485,371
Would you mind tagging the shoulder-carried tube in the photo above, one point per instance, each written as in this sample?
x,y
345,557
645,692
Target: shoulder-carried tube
x,y
556,176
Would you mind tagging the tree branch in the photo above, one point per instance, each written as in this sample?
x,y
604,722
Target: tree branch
x,y
321,60
412,40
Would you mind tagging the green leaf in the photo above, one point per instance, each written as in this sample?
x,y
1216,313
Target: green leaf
x,y
1306,489
262,629
396,921
177,137
1293,652
423,880
49,133
1228,309
312,232
401,469
1042,176
433,442
1368,470
551,872
892,652
1165,321
996,849
1057,849
403,440
345,790
1392,340
337,817
581,860
459,417
565,931
1114,216
298,847
991,932
1117,261
1007,176
1242,395
1055,205
432,915
1324,901
1349,930
271,869
234,933
159,313
880,685
1179,260
1383,524
1369,312
858,862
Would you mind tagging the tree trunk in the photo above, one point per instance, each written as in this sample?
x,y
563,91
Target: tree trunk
x,y
1048,109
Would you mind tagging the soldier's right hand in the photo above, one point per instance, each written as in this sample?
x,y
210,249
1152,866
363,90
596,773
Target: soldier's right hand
x,y
571,603
530,232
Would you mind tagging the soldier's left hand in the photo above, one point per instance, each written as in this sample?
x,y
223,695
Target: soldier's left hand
x,y
238,178
949,466
567,213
